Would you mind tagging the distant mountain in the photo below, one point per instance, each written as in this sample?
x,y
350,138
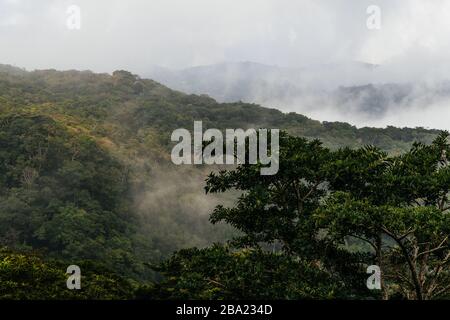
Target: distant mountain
x,y
255,82
351,91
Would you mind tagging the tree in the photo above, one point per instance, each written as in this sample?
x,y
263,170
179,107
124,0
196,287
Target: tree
x,y
402,212
333,212
275,216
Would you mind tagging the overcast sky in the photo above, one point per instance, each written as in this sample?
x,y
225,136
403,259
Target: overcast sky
x,y
136,34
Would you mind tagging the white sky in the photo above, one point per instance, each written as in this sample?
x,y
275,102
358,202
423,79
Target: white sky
x,y
135,34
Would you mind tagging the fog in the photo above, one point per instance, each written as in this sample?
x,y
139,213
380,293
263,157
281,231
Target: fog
x,y
172,223
136,34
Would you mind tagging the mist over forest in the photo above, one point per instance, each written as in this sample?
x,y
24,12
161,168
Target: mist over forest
x,y
353,96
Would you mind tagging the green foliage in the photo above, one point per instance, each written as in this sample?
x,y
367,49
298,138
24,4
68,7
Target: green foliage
x,y
221,273
61,192
402,212
26,276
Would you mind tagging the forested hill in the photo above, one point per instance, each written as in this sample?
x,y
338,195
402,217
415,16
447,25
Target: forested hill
x,y
85,169
135,104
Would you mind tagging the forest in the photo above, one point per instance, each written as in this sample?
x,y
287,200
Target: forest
x,y
86,179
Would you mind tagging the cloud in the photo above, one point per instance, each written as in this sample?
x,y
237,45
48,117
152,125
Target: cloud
x,y
177,33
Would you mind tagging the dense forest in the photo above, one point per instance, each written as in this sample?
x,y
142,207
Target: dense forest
x,y
86,179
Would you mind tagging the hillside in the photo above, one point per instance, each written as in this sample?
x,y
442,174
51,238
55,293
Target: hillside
x,y
85,169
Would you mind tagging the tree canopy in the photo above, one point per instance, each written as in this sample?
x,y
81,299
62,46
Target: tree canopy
x,y
331,214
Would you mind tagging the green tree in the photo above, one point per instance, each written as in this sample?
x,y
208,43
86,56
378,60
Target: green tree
x,y
402,212
275,217
333,213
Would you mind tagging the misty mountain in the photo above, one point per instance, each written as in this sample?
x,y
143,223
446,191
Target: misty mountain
x,y
258,83
352,91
